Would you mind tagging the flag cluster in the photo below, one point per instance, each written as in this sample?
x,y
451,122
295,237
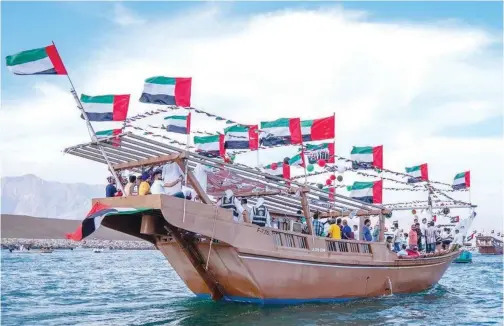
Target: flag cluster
x,y
176,91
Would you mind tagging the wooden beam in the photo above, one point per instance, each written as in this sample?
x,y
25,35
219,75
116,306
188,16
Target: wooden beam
x,y
381,237
306,211
148,161
194,182
359,213
291,190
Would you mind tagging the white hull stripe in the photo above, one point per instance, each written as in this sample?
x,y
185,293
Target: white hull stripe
x,y
294,262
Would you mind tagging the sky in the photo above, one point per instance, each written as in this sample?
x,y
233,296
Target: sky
x,y
422,78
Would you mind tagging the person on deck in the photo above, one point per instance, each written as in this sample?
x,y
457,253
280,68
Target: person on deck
x,y
201,174
413,237
260,214
356,232
458,240
397,237
144,187
246,206
172,176
376,232
110,190
346,232
157,187
402,252
366,233
136,186
419,237
318,227
302,219
405,239
229,201
447,238
423,228
430,238
334,231
413,252
389,243
128,189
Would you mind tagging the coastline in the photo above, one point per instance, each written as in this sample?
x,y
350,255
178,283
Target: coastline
x,y
15,243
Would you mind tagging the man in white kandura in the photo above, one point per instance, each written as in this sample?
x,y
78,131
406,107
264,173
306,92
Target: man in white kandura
x,y
458,239
229,201
260,214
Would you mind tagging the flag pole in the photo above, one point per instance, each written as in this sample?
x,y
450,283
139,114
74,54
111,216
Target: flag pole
x,y
258,145
186,165
91,131
335,166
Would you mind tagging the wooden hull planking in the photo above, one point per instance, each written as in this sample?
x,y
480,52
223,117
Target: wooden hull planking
x,y
264,265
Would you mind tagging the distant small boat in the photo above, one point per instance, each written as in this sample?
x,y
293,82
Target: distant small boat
x,y
21,250
97,251
46,250
464,258
488,245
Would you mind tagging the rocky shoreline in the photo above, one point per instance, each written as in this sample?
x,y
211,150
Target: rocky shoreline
x,y
14,243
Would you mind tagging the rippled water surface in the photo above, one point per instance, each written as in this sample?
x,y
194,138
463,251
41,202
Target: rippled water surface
x,y
140,288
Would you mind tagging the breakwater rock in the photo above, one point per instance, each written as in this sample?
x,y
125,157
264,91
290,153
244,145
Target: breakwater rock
x,y
14,243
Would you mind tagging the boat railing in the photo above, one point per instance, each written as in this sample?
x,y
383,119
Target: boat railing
x,y
290,240
345,246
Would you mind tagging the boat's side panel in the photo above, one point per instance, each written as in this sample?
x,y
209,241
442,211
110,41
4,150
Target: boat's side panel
x,y
490,250
291,279
253,278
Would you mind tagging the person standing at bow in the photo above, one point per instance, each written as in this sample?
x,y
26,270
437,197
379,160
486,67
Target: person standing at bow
x,y
397,237
260,214
229,201
413,237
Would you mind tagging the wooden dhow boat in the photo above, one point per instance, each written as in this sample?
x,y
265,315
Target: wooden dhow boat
x,y
489,245
221,259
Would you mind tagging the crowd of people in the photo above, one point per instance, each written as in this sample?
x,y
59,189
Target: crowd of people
x,y
422,237
167,180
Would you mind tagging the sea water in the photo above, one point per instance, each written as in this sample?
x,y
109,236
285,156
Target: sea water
x,y
140,288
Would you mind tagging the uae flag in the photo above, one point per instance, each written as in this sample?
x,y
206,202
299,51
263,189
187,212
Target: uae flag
x,y
368,192
241,137
324,151
462,181
418,173
279,169
455,219
331,191
282,131
167,91
211,146
297,160
95,217
105,107
367,157
180,124
318,129
43,61
110,133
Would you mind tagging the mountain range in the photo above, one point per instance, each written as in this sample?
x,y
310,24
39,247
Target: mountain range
x,y
33,196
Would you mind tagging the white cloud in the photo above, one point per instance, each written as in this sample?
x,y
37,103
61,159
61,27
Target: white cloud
x,y
125,17
397,84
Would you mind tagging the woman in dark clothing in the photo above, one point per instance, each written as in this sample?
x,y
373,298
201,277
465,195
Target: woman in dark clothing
x,y
419,234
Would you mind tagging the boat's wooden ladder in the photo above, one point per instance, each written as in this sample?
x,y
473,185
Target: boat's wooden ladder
x,y
187,245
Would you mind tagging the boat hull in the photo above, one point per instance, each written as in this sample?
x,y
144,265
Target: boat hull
x,y
490,250
219,258
271,280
